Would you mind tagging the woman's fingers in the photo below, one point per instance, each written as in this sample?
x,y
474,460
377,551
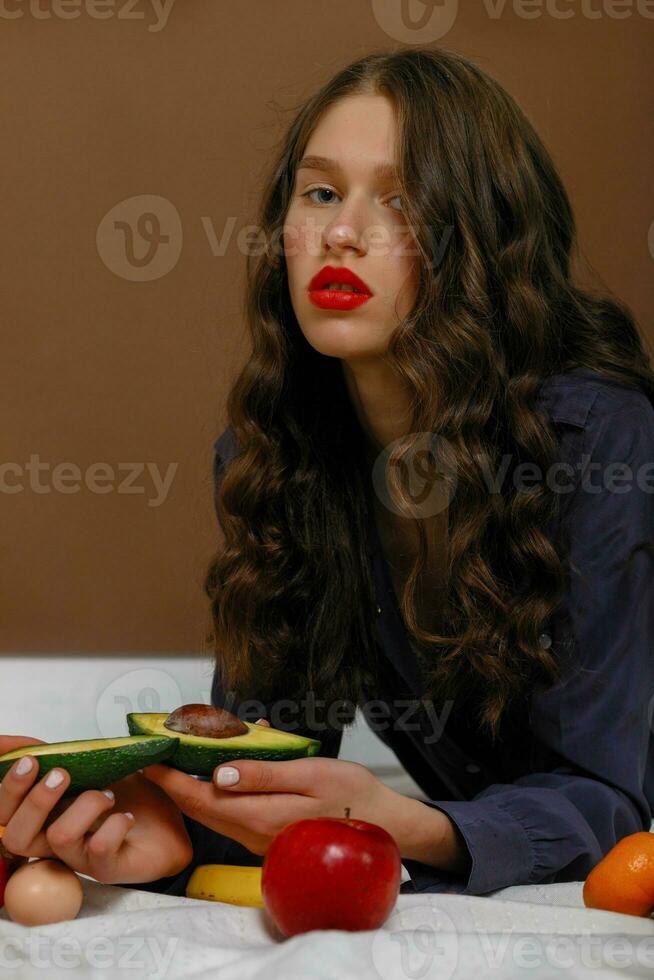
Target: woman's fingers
x,y
23,831
26,806
102,848
66,836
16,784
109,838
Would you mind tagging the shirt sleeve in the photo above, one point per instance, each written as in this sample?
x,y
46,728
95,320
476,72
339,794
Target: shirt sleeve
x,y
554,825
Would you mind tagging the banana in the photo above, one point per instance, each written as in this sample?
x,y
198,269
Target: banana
x,y
232,883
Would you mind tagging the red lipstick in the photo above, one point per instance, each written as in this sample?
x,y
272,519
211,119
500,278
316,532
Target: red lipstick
x,y
327,298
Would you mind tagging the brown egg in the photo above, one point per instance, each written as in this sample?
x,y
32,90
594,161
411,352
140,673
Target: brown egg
x,y
43,891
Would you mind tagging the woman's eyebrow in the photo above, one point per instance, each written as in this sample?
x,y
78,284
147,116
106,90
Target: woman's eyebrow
x,y
384,171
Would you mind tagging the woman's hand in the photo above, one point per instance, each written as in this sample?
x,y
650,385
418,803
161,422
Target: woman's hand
x,y
146,841
270,795
7,744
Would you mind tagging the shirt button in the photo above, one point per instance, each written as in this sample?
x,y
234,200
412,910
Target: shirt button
x,y
379,609
545,640
471,767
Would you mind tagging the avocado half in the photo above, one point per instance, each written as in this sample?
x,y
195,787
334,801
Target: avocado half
x,y
200,755
94,763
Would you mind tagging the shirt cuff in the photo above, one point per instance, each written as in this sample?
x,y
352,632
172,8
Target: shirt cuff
x,y
499,847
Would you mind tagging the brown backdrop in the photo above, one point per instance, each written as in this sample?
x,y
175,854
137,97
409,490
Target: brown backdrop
x,y
114,359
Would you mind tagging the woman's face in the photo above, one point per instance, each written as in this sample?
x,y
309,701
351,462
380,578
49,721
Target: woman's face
x,y
347,214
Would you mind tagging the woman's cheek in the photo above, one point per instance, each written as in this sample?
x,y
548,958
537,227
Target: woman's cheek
x,y
295,238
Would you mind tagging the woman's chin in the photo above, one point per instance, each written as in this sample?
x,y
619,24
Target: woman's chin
x,y
336,337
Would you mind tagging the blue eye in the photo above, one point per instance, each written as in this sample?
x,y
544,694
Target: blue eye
x,y
328,190
315,190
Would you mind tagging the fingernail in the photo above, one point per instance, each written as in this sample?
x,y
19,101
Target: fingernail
x,y
129,815
259,720
227,776
24,766
54,779
108,793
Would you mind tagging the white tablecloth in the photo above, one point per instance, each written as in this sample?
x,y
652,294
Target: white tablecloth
x,y
535,931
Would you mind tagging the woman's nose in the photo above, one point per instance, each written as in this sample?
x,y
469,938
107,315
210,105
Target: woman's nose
x,y
340,235
348,229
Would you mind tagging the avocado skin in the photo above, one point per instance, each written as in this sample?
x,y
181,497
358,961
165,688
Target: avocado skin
x,y
202,759
96,767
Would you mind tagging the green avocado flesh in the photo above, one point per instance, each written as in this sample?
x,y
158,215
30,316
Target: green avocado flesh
x,y
94,763
200,756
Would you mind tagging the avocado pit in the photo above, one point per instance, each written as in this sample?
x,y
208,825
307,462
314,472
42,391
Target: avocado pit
x,y
205,721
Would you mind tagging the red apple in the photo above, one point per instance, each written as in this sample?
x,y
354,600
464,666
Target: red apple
x,y
330,873
4,875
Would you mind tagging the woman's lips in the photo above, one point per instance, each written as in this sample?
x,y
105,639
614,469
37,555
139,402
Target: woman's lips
x,y
338,299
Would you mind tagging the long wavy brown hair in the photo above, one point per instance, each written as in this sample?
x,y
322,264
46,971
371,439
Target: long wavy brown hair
x,y
291,588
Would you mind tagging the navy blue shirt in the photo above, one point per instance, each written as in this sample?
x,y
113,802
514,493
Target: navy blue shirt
x,y
574,770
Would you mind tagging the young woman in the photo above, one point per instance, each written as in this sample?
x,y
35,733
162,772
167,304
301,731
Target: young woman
x,y
421,510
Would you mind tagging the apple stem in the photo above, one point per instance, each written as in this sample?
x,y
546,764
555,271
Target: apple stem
x,y
347,812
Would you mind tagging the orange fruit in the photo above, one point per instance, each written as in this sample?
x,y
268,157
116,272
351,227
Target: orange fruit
x,y
623,881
